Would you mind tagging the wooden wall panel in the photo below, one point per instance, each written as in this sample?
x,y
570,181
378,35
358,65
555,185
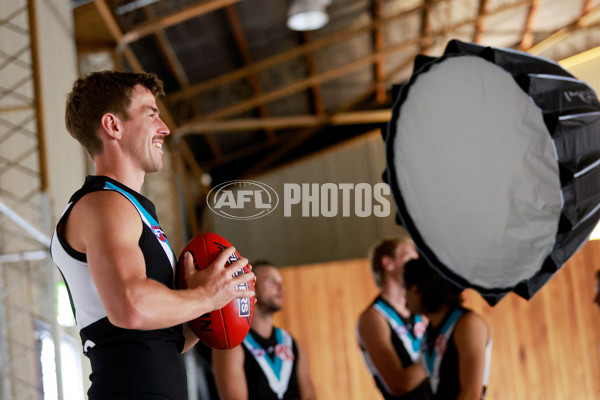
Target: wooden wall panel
x,y
546,348
322,304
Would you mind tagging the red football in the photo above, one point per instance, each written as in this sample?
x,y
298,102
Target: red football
x,y
227,327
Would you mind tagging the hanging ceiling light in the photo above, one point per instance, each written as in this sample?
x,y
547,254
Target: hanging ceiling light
x,y
307,15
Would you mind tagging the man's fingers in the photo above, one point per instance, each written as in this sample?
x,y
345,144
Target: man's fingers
x,y
238,264
223,257
245,293
188,261
243,278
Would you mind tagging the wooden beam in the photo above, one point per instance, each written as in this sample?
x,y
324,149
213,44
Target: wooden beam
x,y
40,110
178,71
587,20
425,34
288,122
168,53
173,19
314,90
23,107
294,139
479,24
311,47
302,85
283,57
300,137
242,46
247,151
115,31
378,46
527,36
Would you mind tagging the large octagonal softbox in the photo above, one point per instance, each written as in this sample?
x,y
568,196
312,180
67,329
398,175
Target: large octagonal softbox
x,y
493,159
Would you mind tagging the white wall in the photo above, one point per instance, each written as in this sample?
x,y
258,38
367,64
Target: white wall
x,y
66,159
303,240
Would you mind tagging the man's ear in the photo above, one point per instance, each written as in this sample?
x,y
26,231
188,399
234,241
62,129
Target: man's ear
x,y
111,125
387,262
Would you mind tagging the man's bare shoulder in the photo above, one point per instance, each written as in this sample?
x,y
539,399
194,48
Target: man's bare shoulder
x,y
100,213
471,328
371,320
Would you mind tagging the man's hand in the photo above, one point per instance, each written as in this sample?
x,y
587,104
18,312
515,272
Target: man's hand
x,y
216,282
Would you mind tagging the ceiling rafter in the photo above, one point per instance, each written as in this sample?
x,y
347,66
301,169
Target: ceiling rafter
x,y
227,116
338,37
315,90
290,121
247,151
302,136
242,46
117,34
585,21
527,36
378,45
426,40
178,71
168,52
175,18
283,57
342,118
302,84
479,25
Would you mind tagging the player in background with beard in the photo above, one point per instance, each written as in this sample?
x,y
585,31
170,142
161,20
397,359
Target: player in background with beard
x,y
269,364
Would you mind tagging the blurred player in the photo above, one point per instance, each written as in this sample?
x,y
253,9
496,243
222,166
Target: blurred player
x,y
457,345
269,364
390,336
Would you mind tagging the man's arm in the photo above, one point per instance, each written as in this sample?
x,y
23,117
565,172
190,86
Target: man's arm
x,y
471,336
376,336
305,384
230,377
107,227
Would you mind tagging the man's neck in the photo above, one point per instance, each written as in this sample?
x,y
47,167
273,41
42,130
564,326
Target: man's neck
x,y
262,323
129,177
395,294
436,318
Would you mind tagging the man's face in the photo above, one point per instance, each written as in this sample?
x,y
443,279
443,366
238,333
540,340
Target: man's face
x,y
144,132
269,289
413,299
404,253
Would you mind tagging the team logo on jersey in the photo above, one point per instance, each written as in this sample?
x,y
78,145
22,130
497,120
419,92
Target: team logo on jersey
x,y
87,346
419,329
400,330
441,343
284,352
160,235
257,352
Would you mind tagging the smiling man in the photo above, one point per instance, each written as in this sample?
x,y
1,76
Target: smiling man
x,y
116,260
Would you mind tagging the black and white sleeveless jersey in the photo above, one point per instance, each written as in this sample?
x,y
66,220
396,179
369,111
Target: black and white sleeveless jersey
x,y
407,337
441,357
125,363
270,365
